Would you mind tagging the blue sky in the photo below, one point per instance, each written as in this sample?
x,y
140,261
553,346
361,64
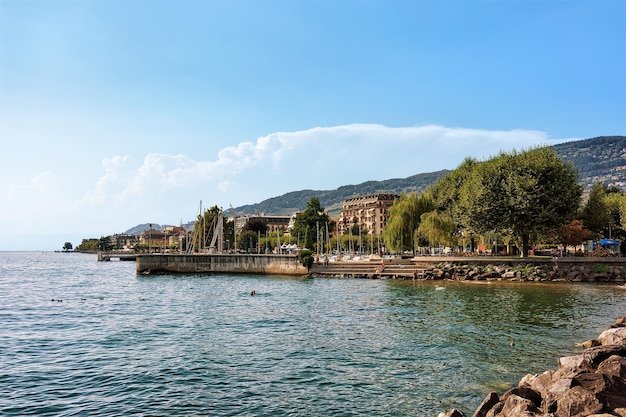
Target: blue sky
x,y
115,113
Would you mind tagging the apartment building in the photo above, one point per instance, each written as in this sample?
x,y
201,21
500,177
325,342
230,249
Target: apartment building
x,y
370,211
273,223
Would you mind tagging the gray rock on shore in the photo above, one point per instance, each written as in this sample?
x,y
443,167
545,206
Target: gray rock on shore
x,y
591,384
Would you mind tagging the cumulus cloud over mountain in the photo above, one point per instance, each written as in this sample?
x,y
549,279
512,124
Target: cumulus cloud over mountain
x,y
318,158
164,187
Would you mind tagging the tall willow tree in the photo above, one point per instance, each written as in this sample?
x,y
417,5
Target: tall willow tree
x,y
596,214
436,228
616,203
404,219
446,193
525,193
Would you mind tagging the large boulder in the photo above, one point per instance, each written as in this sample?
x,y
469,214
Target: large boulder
x,y
516,406
577,402
614,366
452,413
490,400
612,336
588,384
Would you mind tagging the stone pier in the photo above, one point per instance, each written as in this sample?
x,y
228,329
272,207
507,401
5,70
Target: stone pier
x,y
220,263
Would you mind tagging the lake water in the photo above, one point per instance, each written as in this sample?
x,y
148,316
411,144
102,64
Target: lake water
x,y
167,345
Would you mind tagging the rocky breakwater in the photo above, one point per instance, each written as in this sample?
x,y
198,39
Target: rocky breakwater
x,y
549,271
589,384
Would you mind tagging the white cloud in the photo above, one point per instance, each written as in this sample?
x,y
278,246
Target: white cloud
x,y
318,158
165,188
42,184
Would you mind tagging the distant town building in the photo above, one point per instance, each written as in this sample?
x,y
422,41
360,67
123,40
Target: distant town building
x,y
152,237
123,240
174,235
370,211
273,223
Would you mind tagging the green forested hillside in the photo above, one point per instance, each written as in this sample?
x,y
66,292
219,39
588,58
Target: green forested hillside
x,y
597,159
332,199
601,159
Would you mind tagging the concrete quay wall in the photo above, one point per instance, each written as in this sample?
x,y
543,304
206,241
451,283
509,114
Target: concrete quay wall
x,y
220,263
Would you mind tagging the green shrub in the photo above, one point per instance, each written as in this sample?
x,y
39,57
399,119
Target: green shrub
x,y
306,258
599,269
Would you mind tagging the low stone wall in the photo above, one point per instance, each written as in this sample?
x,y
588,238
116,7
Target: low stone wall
x,y
590,384
216,263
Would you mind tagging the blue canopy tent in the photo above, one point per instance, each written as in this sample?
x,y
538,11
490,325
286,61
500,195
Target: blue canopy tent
x,y
610,244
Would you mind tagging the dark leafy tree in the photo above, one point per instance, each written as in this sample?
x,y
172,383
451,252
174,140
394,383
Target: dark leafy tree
x,y
527,193
247,241
67,246
312,220
88,245
596,213
306,258
256,225
104,244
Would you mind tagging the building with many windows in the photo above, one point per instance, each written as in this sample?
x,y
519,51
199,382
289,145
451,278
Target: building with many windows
x,y
370,211
273,223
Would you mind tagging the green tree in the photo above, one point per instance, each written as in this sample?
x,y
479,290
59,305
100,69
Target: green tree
x,y
446,193
310,223
256,225
527,193
436,228
404,220
616,203
596,214
104,244
247,241
306,258
88,245
67,246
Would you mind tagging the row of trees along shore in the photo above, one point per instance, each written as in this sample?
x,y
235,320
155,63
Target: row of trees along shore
x,y
519,199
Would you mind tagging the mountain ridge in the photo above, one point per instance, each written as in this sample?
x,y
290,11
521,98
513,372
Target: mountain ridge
x,y
598,159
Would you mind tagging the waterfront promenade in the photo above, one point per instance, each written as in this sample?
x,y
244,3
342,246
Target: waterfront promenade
x,y
480,268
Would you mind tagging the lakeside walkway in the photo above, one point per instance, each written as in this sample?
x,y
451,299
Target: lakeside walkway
x,y
478,267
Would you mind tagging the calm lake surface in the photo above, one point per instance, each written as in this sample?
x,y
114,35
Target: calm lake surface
x,y
122,344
